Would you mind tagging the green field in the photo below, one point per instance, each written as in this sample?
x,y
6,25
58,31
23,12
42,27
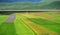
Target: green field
x,y
50,21
21,28
3,18
48,24
7,29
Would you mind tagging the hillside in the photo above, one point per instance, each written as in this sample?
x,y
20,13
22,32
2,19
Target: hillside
x,y
53,5
21,6
30,5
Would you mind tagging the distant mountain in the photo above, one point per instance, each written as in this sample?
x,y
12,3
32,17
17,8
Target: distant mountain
x,y
53,5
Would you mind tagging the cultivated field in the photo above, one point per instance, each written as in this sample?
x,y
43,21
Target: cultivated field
x,y
30,23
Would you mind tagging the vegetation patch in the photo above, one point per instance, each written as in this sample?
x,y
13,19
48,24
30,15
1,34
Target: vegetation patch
x,y
7,28
3,18
47,24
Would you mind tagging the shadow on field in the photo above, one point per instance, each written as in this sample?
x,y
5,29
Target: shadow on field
x,y
5,13
11,12
7,28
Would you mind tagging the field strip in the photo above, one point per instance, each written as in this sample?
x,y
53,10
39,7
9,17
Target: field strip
x,y
38,29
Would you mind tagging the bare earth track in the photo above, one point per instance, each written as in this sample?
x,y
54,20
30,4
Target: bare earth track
x,y
11,18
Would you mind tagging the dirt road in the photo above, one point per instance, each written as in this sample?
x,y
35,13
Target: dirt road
x,y
11,18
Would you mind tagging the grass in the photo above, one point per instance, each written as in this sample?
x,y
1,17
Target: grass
x,y
47,24
18,27
50,23
3,18
54,16
7,28
21,28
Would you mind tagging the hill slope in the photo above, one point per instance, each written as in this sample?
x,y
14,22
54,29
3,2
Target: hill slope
x,y
53,5
29,5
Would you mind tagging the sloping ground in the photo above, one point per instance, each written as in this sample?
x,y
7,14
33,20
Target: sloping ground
x,y
53,5
30,5
21,28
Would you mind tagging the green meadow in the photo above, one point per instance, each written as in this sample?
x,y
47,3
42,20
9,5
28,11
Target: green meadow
x,y
50,21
